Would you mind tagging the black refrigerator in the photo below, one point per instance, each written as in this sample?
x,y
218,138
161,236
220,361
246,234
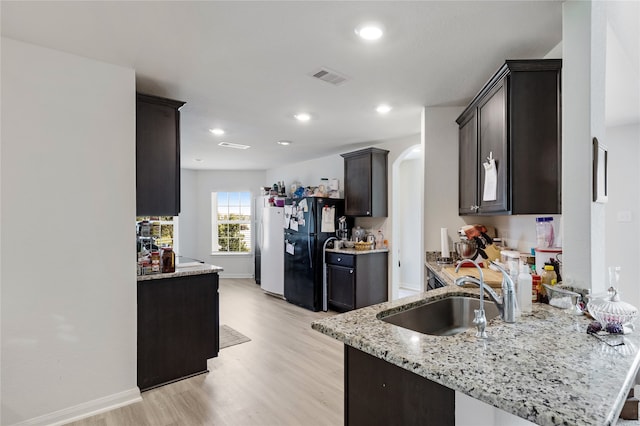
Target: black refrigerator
x,y
304,240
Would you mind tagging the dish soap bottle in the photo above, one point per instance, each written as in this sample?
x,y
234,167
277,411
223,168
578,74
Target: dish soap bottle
x,y
525,287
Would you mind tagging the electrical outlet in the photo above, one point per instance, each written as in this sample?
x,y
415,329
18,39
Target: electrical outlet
x,y
624,216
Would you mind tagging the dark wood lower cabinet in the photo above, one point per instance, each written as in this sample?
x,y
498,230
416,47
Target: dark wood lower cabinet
x,y
379,393
178,328
356,281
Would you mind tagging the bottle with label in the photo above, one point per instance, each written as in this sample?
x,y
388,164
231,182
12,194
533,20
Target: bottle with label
x,y
155,262
548,277
525,288
379,240
535,291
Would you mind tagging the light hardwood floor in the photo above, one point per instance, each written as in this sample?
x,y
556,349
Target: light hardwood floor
x,y
288,374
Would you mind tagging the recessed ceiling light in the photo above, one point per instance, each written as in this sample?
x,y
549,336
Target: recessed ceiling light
x,y
217,131
383,109
284,143
233,145
198,160
369,32
302,116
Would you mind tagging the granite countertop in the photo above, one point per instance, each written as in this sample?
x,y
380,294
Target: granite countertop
x,y
346,250
437,269
544,368
191,268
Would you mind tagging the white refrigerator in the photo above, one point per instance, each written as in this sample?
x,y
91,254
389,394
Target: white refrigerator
x,y
271,242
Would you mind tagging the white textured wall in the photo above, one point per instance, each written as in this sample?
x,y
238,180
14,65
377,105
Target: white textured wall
x,y
623,208
188,218
208,181
576,142
307,173
410,256
441,175
68,247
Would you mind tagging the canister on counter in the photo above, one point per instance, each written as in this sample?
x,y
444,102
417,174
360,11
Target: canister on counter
x,y
168,260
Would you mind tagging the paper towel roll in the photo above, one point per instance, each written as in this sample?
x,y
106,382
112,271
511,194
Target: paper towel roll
x,y
444,243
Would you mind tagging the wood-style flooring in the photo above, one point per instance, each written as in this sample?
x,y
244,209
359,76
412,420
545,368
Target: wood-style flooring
x,y
288,374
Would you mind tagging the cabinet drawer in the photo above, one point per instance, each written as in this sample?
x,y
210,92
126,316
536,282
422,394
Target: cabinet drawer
x,y
341,259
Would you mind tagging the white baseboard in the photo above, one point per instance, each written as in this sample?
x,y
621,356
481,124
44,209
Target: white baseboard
x,y
411,287
223,275
86,409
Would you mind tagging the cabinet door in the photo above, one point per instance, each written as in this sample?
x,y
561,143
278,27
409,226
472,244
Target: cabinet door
x,y
357,186
177,327
157,156
492,140
341,287
468,167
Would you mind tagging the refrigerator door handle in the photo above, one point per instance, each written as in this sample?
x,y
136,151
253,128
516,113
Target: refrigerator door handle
x,y
309,236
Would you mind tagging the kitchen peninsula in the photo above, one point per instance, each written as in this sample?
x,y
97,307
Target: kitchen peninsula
x,y
178,320
544,368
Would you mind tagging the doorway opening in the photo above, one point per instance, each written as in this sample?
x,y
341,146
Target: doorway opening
x,y
407,267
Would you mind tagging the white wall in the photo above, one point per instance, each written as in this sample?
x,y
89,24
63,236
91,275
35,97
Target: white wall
x,y
623,208
582,119
441,175
410,256
208,181
307,173
68,254
188,218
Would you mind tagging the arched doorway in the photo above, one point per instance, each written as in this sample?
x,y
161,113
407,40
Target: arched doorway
x,y
407,268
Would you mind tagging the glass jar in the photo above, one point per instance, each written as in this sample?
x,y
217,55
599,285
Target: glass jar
x,y
549,276
168,260
544,232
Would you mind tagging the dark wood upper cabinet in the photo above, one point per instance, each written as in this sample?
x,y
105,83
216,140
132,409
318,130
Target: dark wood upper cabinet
x,y
157,156
515,119
365,182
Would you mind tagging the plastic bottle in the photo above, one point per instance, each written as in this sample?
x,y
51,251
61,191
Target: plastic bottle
x,y
549,276
379,240
525,288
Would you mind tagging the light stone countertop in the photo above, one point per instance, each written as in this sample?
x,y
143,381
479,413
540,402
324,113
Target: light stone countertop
x,y
544,368
181,271
346,250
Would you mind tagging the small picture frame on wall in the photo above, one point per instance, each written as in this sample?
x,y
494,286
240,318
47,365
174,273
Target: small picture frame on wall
x,y
599,172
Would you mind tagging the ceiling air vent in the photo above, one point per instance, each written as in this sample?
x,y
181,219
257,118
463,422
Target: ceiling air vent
x,y
233,145
330,76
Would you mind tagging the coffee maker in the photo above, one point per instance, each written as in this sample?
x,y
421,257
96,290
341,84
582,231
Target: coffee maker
x,y
343,229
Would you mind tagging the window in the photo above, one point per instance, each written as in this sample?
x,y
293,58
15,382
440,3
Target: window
x,y
231,222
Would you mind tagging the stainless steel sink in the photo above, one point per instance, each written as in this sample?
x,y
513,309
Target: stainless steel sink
x,y
443,317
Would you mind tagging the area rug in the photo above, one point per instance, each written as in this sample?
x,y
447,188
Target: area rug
x,y
230,337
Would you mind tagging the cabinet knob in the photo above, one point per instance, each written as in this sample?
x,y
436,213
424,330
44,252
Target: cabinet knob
x,y
368,213
339,259
351,271
473,208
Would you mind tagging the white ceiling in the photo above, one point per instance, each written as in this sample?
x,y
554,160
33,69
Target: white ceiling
x,y
244,66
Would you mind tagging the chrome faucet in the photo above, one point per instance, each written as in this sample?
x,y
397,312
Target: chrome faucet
x,y
480,319
506,304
